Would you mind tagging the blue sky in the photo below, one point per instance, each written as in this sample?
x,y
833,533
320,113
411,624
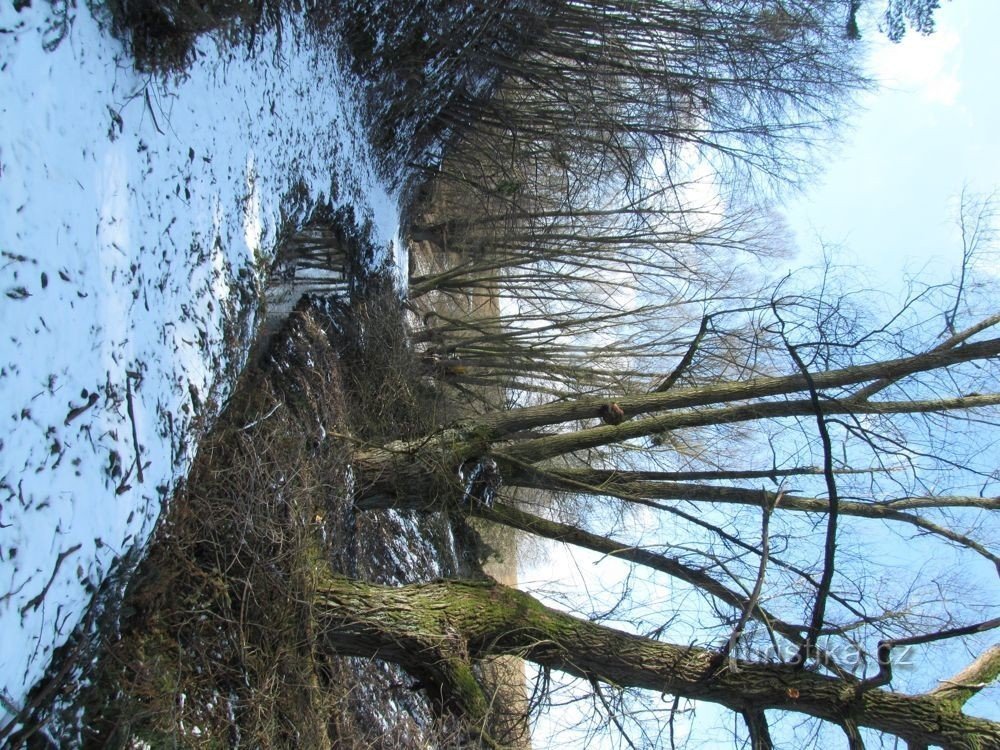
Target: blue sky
x,y
888,196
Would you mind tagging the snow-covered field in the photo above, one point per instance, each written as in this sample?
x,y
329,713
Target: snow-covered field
x,y
135,216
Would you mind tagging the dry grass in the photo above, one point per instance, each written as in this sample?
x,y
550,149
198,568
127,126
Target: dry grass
x,y
162,33
218,645
398,402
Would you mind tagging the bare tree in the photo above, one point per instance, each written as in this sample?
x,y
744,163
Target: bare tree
x,y
876,460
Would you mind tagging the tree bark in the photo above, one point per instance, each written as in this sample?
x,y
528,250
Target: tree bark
x,y
560,444
419,468
455,620
555,413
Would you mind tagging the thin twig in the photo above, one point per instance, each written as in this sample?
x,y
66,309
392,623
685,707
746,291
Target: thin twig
x,y
135,432
265,417
751,602
884,675
36,601
830,544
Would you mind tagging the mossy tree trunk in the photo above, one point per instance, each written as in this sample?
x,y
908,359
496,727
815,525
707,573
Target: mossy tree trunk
x,y
435,629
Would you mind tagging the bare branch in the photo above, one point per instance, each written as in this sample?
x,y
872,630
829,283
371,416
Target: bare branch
x,y
830,545
884,675
954,340
751,603
959,688
687,358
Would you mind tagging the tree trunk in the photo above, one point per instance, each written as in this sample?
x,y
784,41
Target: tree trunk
x,y
404,469
449,622
530,417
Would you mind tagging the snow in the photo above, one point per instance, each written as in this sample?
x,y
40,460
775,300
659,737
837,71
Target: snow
x,y
136,216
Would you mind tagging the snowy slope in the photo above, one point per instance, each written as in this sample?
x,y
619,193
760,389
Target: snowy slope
x,y
134,216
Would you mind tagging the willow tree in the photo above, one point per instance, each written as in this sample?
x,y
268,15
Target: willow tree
x,y
886,433
614,91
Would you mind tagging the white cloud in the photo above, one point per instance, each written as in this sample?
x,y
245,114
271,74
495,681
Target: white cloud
x,y
926,65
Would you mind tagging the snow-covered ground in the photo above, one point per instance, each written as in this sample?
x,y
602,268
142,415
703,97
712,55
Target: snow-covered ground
x,y
135,216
